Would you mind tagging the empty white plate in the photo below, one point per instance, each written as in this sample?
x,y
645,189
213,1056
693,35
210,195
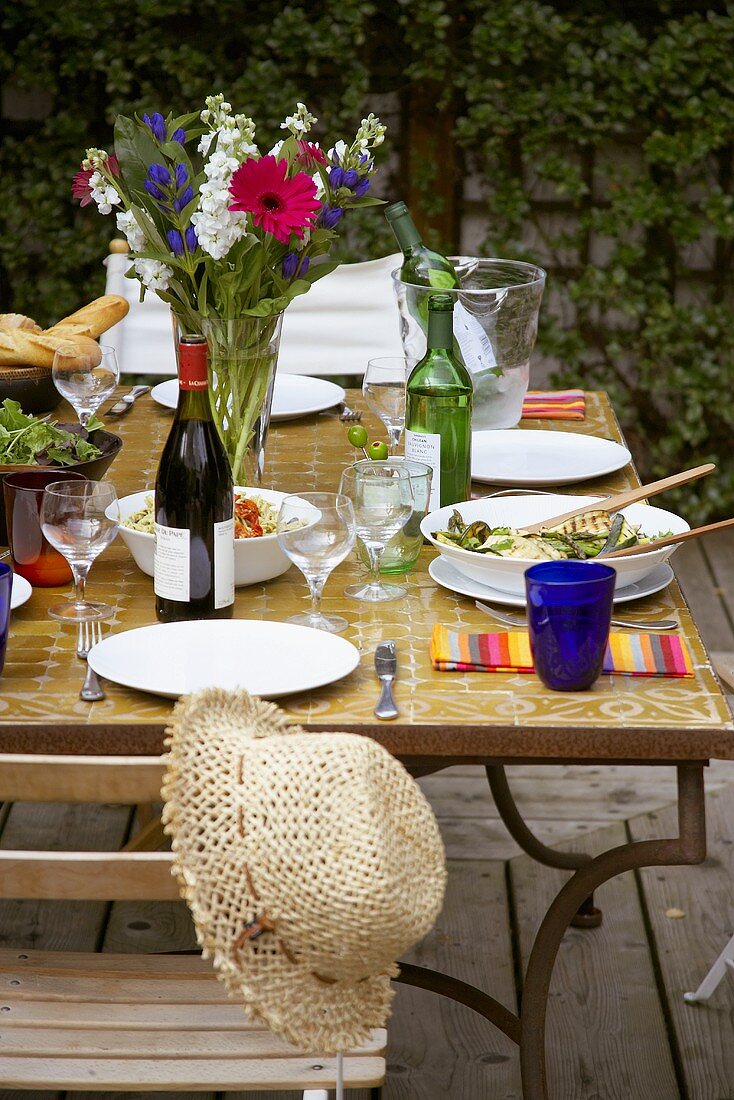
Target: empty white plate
x,y
515,457
266,658
443,573
21,592
294,395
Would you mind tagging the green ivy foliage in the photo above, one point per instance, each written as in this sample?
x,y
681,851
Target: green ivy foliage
x,y
603,137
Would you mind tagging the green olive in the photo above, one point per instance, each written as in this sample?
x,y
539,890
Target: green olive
x,y
377,450
357,435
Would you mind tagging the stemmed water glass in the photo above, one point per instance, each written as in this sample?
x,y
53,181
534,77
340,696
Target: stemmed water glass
x,y
317,531
86,379
80,520
383,388
382,497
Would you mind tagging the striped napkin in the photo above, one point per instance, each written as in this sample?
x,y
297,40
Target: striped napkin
x,y
633,654
554,405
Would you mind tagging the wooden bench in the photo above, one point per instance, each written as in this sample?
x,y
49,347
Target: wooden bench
x,y
85,1021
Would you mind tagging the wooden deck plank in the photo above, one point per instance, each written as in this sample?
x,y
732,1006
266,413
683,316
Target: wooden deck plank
x,y
706,603
686,947
719,552
606,1033
436,1048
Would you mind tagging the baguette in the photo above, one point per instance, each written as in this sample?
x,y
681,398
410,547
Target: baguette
x,y
21,348
93,319
18,320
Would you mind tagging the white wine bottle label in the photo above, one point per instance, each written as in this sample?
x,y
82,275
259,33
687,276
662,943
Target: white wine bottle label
x,y
474,343
171,570
426,447
224,563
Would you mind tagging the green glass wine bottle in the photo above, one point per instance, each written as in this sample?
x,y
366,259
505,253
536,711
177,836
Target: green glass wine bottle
x,y
421,265
438,407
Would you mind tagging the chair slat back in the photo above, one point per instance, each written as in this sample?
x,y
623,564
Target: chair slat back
x,y
83,876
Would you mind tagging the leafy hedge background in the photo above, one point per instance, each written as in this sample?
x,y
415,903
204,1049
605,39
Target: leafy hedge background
x,y
595,139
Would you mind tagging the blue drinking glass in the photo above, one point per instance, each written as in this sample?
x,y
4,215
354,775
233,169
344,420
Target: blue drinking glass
x,y
6,587
569,609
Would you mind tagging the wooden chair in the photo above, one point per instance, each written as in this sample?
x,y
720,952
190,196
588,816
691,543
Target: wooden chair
x,y
346,318
86,1021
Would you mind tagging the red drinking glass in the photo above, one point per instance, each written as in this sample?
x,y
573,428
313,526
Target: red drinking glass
x,y
33,556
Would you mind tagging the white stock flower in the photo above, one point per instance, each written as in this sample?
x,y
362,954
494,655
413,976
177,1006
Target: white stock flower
x,y
127,223
338,151
103,193
300,122
276,149
153,274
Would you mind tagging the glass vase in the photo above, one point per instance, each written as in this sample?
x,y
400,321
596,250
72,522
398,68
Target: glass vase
x,y
243,356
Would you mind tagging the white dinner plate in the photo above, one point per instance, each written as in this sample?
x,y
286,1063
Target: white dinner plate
x,y
443,573
537,458
266,658
21,592
294,395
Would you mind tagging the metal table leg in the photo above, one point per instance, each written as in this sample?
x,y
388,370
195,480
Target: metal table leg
x,y
587,916
528,1031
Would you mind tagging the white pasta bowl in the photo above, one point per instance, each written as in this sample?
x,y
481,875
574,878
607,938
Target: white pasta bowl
x,y
255,560
507,574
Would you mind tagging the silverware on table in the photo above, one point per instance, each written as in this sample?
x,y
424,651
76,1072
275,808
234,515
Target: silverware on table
x,y
89,634
518,619
349,414
386,667
127,401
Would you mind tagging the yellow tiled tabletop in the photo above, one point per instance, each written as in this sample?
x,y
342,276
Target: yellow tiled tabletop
x,y
467,716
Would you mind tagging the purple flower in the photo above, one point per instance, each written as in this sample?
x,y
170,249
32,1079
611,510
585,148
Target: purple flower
x,y
181,175
305,263
330,215
362,187
179,135
154,190
183,200
156,124
160,174
350,178
175,240
290,265
191,239
336,177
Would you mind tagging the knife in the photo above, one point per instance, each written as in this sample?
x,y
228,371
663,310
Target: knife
x,y
127,401
386,667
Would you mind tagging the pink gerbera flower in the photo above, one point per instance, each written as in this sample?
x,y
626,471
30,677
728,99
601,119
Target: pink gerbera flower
x,y
309,154
80,188
279,205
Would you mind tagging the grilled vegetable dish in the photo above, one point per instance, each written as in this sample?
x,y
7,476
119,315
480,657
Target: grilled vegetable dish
x,y
585,536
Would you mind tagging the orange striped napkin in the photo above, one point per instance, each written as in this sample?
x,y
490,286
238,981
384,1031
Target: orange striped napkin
x,y
631,654
554,405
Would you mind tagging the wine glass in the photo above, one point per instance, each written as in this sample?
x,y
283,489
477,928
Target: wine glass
x,y
383,388
317,531
382,497
80,520
86,379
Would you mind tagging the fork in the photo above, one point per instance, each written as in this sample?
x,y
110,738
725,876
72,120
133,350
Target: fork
x,y
349,414
90,633
517,620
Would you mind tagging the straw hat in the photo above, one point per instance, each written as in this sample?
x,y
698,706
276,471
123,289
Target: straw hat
x,y
310,862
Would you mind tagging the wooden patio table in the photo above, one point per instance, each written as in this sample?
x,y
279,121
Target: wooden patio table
x,y
445,718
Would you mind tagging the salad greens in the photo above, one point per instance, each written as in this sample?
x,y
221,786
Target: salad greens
x,y
28,441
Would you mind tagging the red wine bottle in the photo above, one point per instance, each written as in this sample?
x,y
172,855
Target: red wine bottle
x,y
194,504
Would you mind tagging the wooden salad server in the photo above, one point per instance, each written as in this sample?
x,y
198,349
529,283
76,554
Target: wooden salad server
x,y
620,500
669,540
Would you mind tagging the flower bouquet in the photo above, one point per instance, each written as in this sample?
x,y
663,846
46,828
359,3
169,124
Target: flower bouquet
x,y
229,236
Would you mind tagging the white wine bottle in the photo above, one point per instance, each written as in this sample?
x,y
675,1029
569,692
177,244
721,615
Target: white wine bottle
x,y
438,408
194,504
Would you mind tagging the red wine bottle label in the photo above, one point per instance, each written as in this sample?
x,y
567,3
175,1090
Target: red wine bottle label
x,y
224,563
192,368
171,570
